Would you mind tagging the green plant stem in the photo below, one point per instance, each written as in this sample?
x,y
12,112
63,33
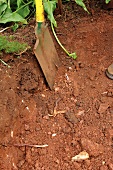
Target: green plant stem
x,y
30,15
8,4
22,7
73,55
58,40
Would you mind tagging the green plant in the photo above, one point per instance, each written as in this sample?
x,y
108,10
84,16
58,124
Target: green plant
x,y
18,10
82,4
107,1
50,6
73,55
15,11
10,46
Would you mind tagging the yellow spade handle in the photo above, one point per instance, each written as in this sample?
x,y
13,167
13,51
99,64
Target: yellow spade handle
x,y
39,11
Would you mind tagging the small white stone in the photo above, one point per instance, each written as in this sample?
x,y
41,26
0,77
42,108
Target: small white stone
x,y
27,108
56,89
43,95
81,156
67,77
54,134
11,133
103,162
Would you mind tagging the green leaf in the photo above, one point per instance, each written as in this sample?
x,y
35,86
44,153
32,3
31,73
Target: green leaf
x,y
49,7
81,3
19,3
2,1
15,26
14,11
22,9
24,12
107,1
73,55
10,16
3,6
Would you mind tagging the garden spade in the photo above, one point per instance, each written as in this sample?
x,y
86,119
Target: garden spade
x,y
44,48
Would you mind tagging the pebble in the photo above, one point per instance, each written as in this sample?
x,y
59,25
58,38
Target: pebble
x,y
46,117
27,127
43,95
49,133
81,65
22,149
79,104
57,161
80,112
81,156
28,132
93,148
70,116
109,94
37,129
92,75
54,134
103,107
57,89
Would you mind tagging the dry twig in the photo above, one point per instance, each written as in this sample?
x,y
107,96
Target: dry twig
x,y
35,146
55,112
